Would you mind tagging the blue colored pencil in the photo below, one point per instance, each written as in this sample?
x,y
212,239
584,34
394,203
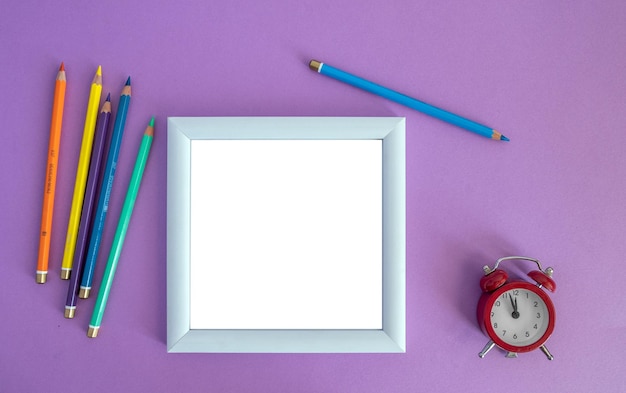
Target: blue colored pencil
x,y
392,95
105,192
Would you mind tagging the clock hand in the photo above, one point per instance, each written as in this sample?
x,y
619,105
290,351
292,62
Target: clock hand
x,y
515,313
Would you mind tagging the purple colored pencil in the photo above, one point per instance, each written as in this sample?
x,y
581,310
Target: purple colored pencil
x,y
80,254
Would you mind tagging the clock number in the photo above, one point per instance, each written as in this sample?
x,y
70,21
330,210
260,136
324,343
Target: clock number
x,y
538,315
498,303
493,313
515,337
535,326
527,334
536,303
515,292
495,325
504,332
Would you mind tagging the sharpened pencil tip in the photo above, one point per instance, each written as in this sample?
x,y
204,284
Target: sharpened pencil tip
x,y
495,135
99,71
128,81
108,97
62,68
150,129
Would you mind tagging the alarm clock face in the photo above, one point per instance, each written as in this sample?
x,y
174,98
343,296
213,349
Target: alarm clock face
x,y
519,317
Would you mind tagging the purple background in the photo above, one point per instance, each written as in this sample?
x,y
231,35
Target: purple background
x,y
549,75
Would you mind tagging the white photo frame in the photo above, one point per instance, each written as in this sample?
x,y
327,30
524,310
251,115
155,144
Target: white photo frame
x,y
297,314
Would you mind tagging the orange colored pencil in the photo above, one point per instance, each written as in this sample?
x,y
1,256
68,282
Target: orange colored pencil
x,y
51,175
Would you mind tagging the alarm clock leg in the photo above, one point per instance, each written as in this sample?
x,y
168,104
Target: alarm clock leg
x,y
487,348
511,354
544,349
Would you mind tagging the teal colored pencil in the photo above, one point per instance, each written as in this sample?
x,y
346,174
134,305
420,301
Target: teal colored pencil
x,y
120,232
410,102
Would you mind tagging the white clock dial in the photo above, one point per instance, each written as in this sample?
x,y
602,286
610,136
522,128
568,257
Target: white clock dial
x,y
519,317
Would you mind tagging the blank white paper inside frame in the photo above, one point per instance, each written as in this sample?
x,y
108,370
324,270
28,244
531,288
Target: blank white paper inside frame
x,y
286,234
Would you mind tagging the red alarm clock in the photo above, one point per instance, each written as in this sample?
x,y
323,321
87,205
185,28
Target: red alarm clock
x,y
517,316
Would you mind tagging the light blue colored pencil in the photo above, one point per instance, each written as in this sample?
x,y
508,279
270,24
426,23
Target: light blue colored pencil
x,y
105,192
402,99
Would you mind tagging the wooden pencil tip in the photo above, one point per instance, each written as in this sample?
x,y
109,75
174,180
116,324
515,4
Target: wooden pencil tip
x,y
62,68
495,135
99,71
150,129
108,97
128,81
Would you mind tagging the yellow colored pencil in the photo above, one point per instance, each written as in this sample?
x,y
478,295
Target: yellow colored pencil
x,y
81,174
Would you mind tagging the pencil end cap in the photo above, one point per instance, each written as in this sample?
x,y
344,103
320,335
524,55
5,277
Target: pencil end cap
x,y
65,274
70,312
83,293
41,278
315,65
92,332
